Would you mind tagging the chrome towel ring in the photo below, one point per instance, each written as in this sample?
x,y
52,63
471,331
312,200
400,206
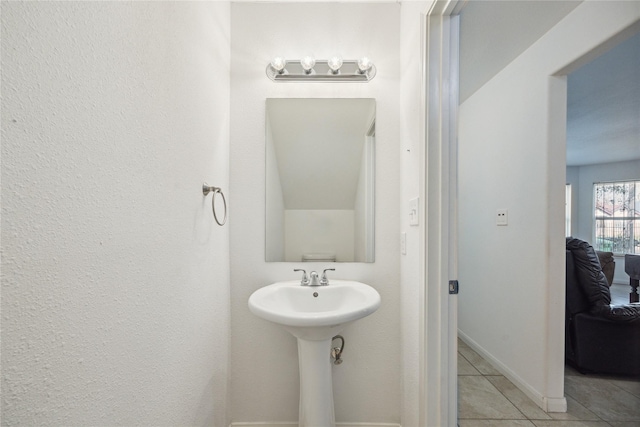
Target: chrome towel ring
x,y
206,189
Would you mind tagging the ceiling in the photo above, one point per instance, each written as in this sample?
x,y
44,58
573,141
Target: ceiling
x,y
603,106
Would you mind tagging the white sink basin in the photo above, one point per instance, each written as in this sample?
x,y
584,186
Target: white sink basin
x,y
315,312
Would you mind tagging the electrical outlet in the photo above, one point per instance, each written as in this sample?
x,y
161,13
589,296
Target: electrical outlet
x,y
502,217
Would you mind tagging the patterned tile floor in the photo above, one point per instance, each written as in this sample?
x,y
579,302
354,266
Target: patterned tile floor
x,y
488,399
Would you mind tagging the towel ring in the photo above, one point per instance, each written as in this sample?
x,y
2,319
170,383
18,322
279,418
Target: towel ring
x,y
206,189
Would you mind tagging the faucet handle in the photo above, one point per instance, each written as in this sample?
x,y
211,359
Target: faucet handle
x,y
305,280
325,280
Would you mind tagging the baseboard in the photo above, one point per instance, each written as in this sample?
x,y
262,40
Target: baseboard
x,y
295,423
556,405
545,403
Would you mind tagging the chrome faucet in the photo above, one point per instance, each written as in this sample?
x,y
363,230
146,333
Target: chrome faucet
x,y
325,280
312,279
305,280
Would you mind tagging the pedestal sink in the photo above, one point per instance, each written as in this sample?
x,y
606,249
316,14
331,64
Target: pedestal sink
x,y
314,315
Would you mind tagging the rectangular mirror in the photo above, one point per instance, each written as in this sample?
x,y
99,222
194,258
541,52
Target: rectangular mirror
x,y
320,179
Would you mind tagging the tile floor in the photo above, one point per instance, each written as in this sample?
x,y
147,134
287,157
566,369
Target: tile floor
x,y
488,399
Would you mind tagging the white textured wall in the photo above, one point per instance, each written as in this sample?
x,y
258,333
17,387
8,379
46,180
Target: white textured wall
x,y
583,188
511,156
265,363
411,137
115,298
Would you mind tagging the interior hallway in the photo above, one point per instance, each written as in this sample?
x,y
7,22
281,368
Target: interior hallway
x,y
487,398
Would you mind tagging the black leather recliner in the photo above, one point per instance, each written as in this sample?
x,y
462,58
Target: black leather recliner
x,y
599,337
608,264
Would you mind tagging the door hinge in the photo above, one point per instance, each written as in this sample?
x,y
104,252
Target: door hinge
x,y
453,287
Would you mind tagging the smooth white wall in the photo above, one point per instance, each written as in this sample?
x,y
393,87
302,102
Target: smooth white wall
x,y
115,280
265,364
511,156
583,188
332,230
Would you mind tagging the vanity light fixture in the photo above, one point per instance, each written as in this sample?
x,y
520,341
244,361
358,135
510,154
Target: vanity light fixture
x,y
308,69
334,64
278,64
307,63
364,65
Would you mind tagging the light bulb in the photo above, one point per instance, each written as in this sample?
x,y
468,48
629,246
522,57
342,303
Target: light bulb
x,y
307,64
364,64
335,63
278,64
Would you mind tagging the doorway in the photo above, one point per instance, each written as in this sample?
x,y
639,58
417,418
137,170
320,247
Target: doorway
x,y
512,157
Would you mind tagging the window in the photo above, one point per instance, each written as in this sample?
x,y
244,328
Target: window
x,y
617,216
567,210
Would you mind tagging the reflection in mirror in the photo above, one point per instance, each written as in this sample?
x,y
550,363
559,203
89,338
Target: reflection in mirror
x,y
320,160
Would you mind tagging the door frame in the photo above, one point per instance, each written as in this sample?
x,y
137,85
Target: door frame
x,y
438,196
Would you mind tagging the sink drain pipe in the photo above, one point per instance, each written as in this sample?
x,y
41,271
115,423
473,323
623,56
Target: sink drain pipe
x,y
336,352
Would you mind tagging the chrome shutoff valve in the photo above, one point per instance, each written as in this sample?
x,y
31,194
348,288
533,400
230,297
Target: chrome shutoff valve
x,y
336,352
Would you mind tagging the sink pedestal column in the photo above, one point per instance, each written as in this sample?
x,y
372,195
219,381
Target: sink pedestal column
x,y
316,386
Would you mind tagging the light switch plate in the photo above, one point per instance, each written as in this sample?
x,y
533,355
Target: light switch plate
x,y
403,243
502,217
414,206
